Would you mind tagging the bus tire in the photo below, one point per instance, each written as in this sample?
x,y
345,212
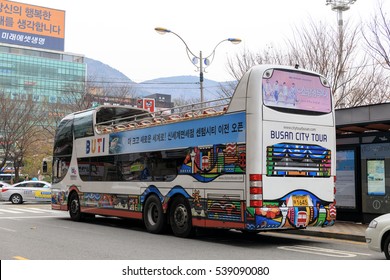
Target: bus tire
x,y
154,217
180,218
74,207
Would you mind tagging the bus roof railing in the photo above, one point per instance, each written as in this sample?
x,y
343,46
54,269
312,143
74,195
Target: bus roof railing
x,y
175,114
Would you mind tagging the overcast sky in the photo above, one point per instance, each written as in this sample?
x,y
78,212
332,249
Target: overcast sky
x,y
121,33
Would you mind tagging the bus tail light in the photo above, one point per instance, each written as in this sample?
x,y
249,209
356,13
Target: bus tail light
x,y
256,190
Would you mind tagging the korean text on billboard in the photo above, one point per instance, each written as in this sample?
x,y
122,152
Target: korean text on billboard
x,y
32,26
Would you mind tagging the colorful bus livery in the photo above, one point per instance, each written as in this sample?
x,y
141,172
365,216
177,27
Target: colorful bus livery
x,y
252,162
298,160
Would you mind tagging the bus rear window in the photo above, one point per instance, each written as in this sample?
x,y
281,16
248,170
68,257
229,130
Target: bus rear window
x,y
295,91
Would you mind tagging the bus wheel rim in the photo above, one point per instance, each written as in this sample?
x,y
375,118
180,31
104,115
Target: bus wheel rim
x,y
74,206
153,214
180,216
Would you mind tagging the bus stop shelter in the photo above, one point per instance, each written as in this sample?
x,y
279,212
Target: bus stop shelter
x,y
363,162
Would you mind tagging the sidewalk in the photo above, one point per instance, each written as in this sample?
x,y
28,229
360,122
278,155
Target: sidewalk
x,y
340,230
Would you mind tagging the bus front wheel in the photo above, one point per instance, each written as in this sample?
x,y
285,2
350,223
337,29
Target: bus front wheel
x,y
154,217
180,218
74,207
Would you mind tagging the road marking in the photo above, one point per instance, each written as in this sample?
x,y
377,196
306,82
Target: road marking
x,y
9,211
27,217
322,251
19,258
28,210
16,210
44,210
7,229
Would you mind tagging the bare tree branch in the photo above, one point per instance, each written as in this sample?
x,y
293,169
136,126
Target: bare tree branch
x,y
316,46
378,37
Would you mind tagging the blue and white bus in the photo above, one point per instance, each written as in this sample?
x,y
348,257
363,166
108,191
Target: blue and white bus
x,y
263,159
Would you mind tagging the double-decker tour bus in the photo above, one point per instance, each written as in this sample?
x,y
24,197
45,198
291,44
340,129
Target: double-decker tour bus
x,y
262,160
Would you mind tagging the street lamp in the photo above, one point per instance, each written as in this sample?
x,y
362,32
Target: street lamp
x,y
340,6
198,59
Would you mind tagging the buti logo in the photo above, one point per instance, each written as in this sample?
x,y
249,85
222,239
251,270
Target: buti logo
x,y
95,146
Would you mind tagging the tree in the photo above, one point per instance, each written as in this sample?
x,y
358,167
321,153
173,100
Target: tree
x,y
123,90
34,157
378,37
182,101
355,80
316,46
80,96
242,62
19,129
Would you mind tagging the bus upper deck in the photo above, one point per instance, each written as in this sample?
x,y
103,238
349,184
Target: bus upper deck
x,y
114,119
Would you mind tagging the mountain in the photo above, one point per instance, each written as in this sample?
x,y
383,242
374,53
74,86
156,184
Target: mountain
x,y
183,87
100,72
107,77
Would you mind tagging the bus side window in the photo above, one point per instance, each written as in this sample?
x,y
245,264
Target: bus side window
x,y
55,168
63,148
58,168
83,125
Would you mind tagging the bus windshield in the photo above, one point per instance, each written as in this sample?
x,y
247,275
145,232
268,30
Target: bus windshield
x,y
296,91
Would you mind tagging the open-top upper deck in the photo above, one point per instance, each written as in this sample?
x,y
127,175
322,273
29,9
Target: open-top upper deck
x,y
113,119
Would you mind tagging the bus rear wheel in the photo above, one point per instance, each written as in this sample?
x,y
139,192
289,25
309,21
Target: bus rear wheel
x,y
154,217
74,207
180,218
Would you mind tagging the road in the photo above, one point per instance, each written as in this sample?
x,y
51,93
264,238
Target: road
x,y
34,231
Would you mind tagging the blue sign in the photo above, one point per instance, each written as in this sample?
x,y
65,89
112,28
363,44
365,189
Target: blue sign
x,y
227,128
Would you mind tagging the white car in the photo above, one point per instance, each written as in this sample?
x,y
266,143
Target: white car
x,y
3,185
378,235
27,191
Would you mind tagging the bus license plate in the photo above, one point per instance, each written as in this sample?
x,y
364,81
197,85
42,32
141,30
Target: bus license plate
x,y
300,200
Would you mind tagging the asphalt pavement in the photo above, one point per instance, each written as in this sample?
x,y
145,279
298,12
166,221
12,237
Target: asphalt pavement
x,y
340,230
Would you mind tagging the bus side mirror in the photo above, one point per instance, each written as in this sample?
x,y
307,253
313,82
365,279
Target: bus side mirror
x,y
44,167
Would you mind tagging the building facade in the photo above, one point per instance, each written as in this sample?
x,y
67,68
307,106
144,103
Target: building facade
x,y
43,76
162,100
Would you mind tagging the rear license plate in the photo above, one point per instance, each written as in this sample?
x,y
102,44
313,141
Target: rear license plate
x,y
300,200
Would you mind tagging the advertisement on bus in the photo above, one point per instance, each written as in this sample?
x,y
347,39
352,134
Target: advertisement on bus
x,y
293,90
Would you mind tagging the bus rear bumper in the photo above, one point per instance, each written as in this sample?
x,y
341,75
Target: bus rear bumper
x,y
266,218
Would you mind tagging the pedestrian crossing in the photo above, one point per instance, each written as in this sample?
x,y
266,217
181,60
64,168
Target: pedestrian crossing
x,y
25,210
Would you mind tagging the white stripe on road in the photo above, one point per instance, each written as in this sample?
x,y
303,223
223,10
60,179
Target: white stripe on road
x,y
16,210
44,210
322,251
7,229
9,211
24,217
28,210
